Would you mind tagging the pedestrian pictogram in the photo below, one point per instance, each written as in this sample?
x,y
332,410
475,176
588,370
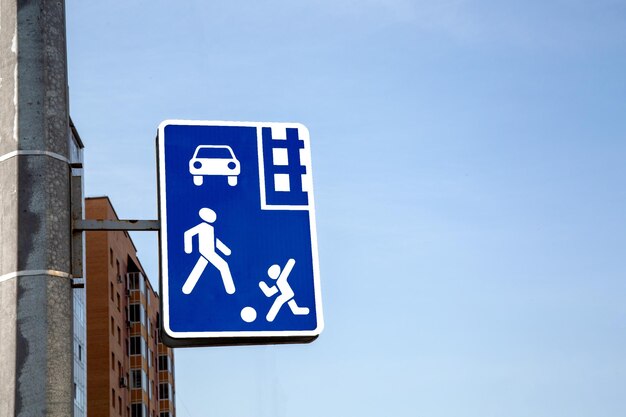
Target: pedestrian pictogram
x,y
207,245
238,240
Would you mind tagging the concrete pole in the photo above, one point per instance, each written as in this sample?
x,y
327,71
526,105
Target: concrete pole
x,y
35,287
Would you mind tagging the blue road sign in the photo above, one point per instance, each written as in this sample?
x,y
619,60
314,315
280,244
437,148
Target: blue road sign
x,y
239,262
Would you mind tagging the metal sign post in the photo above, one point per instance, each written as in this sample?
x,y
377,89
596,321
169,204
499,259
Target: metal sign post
x,y
35,231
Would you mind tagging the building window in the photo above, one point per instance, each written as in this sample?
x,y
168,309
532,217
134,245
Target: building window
x,y
164,391
135,378
113,397
137,282
140,379
165,414
119,335
80,353
164,363
137,314
79,310
111,285
118,301
138,410
137,346
113,361
119,403
112,326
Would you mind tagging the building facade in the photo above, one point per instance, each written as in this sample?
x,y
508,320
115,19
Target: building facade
x,y
130,373
80,337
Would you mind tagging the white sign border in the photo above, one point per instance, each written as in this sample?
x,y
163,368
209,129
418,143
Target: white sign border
x,y
181,336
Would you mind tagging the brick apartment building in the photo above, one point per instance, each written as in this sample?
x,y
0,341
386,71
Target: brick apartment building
x,y
130,373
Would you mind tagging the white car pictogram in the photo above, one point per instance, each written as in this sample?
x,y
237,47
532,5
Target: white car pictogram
x,y
214,160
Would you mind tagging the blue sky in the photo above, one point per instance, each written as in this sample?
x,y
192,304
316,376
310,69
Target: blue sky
x,y
469,180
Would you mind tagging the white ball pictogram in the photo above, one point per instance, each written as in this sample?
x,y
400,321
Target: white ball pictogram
x,y
248,314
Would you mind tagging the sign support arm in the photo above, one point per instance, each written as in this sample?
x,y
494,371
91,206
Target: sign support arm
x,y
116,225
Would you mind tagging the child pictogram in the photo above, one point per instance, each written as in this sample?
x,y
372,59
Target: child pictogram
x,y
207,245
282,287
